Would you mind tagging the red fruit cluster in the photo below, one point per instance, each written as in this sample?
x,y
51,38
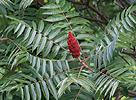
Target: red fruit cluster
x,y
73,45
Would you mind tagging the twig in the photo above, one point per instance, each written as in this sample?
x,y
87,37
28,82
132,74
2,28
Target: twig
x,y
117,3
92,8
3,39
78,93
131,93
83,62
93,19
129,52
118,96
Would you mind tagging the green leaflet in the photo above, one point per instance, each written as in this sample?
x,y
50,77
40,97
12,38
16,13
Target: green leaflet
x,y
27,94
45,90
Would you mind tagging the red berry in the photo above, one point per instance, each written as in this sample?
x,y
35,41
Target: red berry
x,y
73,45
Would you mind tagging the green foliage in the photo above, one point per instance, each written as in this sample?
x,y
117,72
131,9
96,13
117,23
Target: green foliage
x,y
124,22
82,81
35,63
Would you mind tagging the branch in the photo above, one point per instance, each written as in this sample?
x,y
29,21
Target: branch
x,y
3,40
93,19
78,93
122,3
131,93
98,13
104,19
118,95
129,52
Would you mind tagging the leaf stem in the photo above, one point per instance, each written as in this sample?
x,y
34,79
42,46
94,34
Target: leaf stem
x,y
78,93
83,62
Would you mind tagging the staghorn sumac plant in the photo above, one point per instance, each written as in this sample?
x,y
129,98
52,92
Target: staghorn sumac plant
x,y
73,45
74,49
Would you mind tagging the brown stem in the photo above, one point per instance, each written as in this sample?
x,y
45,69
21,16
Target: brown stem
x,y
118,96
84,64
131,93
78,93
3,40
121,3
92,8
98,12
94,19
129,52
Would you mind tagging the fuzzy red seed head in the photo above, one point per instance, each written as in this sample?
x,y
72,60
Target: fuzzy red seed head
x,y
73,45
